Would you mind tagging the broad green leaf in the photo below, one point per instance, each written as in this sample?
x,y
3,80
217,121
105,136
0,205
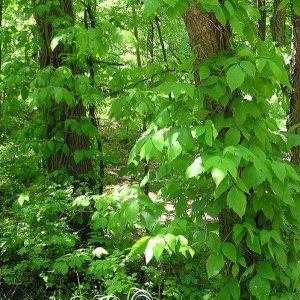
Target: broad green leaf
x,y
279,170
174,151
155,247
61,267
195,169
229,251
220,15
22,198
171,241
204,72
235,270
210,2
218,174
248,67
282,5
238,233
235,289
259,287
81,201
171,2
275,70
229,7
265,270
158,141
235,77
236,200
147,150
140,245
150,7
232,137
159,247
214,264
131,211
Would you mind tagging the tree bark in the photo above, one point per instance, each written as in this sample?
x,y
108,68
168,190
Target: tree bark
x,y
277,24
262,23
207,37
59,113
294,117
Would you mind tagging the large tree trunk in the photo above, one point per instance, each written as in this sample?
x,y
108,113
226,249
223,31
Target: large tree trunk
x,y
59,113
206,35
207,38
294,117
278,23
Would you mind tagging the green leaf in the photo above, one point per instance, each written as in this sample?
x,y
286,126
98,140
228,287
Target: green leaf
x,y
259,287
204,72
229,251
232,137
61,267
236,200
81,201
131,211
235,289
214,264
265,270
283,4
150,7
275,70
195,169
155,247
220,15
171,2
235,77
210,2
174,151
139,245
235,270
147,150
22,198
218,174
248,67
158,141
279,170
171,241
229,7
238,233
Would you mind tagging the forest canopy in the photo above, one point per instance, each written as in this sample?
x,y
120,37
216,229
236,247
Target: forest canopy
x,y
150,149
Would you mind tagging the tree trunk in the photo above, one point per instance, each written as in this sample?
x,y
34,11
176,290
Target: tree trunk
x,y
207,38
262,23
59,113
278,24
294,117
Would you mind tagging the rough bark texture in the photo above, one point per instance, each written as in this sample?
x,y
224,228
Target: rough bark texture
x,y
207,36
294,117
262,22
58,113
278,23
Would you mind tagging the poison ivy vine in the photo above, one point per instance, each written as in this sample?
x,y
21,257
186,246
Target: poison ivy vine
x,y
222,134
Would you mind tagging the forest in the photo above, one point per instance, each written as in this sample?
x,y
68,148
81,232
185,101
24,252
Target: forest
x,y
149,149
